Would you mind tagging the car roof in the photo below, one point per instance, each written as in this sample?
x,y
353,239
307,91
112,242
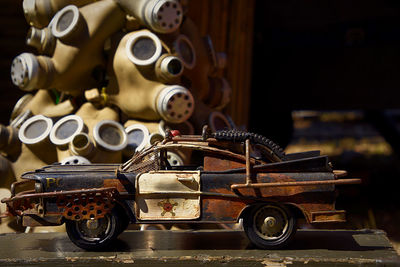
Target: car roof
x,y
193,142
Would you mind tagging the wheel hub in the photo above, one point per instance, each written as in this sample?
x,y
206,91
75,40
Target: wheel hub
x,y
92,224
93,229
270,222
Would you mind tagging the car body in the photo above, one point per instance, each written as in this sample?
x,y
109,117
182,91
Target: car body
x,y
231,175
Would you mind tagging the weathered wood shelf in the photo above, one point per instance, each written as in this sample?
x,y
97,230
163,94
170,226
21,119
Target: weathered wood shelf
x,y
212,248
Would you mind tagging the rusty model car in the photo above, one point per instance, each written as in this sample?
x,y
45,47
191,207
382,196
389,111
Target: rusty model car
x,y
231,175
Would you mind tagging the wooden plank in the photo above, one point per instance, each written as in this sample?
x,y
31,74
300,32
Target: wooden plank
x,y
240,59
202,248
230,25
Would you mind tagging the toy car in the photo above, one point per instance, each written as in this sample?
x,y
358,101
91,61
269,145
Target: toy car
x,y
231,175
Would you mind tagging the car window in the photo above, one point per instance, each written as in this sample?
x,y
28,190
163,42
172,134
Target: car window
x,y
144,161
180,159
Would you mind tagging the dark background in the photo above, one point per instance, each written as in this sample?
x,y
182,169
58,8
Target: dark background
x,y
323,55
13,30
341,56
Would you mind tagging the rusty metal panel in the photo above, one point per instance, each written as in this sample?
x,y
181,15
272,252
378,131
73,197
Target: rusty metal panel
x,y
120,185
216,183
304,198
288,190
307,204
221,210
217,163
328,216
168,195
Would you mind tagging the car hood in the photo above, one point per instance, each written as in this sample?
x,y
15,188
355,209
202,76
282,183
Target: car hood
x,y
58,168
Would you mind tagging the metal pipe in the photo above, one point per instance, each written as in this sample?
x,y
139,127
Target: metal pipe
x,y
59,193
248,164
305,183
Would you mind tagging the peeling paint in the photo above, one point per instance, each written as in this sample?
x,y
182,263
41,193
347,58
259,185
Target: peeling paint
x,y
269,263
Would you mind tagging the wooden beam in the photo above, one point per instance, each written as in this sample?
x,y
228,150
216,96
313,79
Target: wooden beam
x,y
230,25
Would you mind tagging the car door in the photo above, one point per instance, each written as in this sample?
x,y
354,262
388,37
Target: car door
x,y
168,195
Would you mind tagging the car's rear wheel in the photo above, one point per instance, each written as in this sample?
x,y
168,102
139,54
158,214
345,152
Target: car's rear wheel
x,y
95,234
269,226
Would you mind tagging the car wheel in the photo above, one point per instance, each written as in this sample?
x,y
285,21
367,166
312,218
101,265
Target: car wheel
x,y
269,226
95,234
124,224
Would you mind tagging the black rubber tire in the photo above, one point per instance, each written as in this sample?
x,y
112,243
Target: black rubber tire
x,y
240,136
124,223
114,227
253,229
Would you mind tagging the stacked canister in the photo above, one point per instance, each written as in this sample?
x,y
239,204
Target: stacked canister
x,y
109,78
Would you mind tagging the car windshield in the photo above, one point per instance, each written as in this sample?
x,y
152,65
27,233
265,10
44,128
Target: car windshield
x,y
143,161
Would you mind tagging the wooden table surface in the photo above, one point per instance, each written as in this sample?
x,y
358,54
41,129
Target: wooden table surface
x,y
204,248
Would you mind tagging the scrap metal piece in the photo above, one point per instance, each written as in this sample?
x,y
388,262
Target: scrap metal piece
x,y
86,205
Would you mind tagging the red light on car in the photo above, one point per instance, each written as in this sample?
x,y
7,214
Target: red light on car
x,y
175,133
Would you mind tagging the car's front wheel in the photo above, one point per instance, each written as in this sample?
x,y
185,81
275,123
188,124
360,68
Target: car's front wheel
x,y
269,226
95,234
